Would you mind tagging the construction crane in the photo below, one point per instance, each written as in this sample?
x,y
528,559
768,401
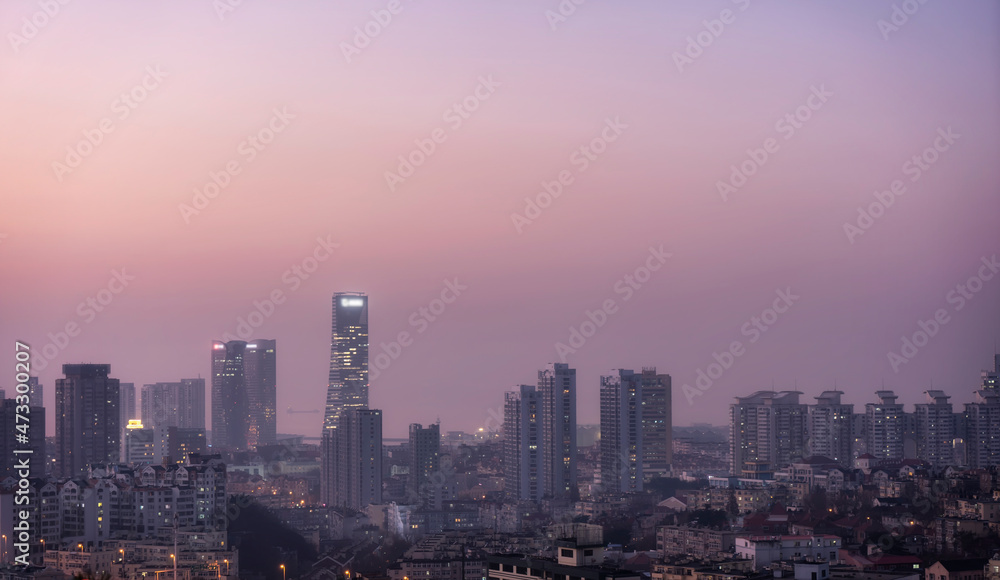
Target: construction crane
x,y
292,411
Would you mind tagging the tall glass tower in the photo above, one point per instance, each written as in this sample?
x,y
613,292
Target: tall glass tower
x,y
348,385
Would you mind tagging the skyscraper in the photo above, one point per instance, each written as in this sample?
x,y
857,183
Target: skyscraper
x,y
244,406
557,389
522,439
767,432
831,428
260,372
230,403
348,382
180,404
636,429
347,387
884,426
935,427
87,415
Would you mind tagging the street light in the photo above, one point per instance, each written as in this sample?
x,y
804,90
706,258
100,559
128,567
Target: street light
x,y
227,567
80,546
282,572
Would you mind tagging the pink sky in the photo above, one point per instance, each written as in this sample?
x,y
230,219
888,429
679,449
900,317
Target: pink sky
x,y
324,176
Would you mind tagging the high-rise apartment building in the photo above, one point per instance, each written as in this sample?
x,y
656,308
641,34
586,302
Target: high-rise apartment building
x,y
180,404
636,429
35,414
557,389
767,432
522,444
126,405
36,391
982,435
831,428
885,424
425,460
175,444
87,415
139,445
935,429
540,437
260,373
621,433
991,379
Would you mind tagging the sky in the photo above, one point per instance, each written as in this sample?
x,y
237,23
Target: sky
x,y
613,185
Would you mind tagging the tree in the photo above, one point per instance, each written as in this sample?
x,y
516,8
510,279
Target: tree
x,y
88,574
732,506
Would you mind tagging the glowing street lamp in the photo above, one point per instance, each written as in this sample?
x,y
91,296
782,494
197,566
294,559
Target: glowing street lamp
x,y
282,572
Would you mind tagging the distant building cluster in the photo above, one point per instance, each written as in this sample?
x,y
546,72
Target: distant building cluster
x,y
770,430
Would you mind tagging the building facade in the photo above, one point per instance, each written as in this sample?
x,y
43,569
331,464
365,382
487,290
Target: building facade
x,y
767,432
557,388
935,430
885,424
522,441
831,428
347,387
87,415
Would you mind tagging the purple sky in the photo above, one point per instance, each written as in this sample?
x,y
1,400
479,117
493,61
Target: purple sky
x,y
886,93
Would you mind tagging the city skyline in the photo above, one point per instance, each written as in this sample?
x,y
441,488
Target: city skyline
x,y
470,253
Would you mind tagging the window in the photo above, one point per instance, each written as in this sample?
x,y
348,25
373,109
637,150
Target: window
x,y
566,553
588,552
